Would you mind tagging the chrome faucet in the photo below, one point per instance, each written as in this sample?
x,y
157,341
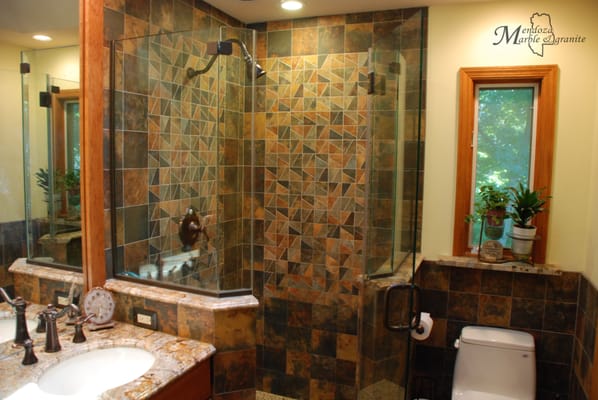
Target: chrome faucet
x,y
51,314
19,304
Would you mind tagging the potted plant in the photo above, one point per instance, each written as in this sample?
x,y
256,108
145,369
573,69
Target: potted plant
x,y
491,204
70,182
42,179
525,205
67,183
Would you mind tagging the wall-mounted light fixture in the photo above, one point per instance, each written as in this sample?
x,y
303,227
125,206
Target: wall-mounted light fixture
x,y
291,5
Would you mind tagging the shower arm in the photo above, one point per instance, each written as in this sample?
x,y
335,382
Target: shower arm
x,y
246,56
192,73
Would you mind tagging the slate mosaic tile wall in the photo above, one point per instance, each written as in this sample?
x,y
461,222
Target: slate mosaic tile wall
x,y
313,115
310,149
13,245
544,306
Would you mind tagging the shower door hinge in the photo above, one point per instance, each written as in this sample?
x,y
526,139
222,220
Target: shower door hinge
x,y
376,83
25,68
45,99
371,82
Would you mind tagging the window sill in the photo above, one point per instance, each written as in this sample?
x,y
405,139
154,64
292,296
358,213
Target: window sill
x,y
509,266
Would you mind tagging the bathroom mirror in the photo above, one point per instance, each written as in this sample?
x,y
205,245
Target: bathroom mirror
x,y
50,93
40,143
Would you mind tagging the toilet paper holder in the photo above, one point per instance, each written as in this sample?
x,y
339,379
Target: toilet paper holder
x,y
414,300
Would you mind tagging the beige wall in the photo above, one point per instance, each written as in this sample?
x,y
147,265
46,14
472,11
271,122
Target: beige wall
x,y
462,36
11,157
591,269
62,63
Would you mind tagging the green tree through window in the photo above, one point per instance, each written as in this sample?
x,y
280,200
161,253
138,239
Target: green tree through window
x,y
503,148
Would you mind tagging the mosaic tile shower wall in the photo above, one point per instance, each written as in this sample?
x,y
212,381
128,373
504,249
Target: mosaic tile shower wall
x,y
179,144
314,119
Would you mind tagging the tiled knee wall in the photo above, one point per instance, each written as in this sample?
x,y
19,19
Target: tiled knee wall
x,y
545,306
584,382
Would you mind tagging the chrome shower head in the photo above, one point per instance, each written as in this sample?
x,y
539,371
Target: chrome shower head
x,y
259,71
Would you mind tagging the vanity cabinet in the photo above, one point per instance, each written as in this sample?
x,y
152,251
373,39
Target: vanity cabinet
x,y
195,384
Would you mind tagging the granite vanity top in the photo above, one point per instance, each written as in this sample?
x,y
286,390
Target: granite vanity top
x,y
174,355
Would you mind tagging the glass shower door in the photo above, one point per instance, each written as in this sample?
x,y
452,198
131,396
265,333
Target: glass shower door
x,y
182,159
393,200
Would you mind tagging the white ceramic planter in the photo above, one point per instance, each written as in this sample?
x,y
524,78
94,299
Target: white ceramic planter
x,y
523,242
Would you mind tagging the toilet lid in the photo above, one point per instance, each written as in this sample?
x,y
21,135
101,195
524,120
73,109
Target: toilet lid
x,y
497,337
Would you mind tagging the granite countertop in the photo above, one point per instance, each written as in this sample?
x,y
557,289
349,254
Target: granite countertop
x,y
174,355
508,266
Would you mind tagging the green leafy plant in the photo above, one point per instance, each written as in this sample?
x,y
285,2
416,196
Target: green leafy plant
x,y
42,179
492,202
69,182
525,205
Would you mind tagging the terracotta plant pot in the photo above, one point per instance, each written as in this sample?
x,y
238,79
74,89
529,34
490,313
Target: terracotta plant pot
x,y
495,224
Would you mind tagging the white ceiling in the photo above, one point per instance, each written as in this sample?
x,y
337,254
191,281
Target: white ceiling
x,y
250,11
21,19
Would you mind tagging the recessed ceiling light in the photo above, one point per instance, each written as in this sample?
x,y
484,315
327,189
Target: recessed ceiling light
x,y
291,5
42,38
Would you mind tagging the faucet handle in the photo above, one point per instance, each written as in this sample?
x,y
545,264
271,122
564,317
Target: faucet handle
x,y
73,314
79,336
41,322
52,340
29,357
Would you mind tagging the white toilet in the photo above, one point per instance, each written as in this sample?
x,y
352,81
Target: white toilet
x,y
494,364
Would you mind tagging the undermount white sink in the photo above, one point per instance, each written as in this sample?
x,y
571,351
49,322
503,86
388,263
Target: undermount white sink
x,y
87,375
8,328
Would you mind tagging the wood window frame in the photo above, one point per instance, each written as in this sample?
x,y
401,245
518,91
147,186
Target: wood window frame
x,y
547,78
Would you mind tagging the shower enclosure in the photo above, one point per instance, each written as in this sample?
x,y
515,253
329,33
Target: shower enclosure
x,y
50,104
182,159
329,182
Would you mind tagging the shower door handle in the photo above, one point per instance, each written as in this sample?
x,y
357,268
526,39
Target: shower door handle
x,y
414,314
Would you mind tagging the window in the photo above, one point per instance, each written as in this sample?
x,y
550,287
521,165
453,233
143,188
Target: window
x,y
503,136
530,92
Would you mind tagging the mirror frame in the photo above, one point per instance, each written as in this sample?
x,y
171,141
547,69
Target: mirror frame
x,y
91,35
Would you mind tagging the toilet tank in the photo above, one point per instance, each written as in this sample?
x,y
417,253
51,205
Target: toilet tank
x,y
494,363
